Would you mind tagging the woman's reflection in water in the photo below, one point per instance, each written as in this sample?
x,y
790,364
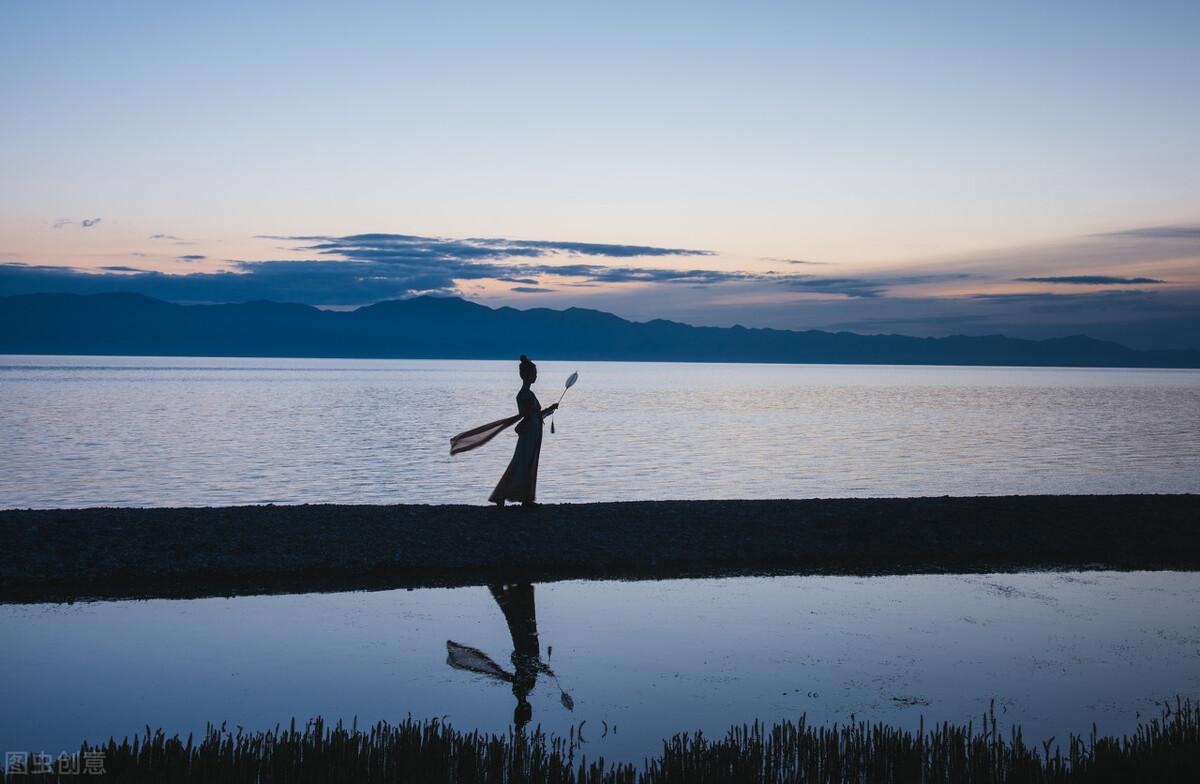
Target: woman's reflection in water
x,y
516,602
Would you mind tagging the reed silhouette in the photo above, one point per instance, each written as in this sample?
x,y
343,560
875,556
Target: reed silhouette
x,y
1161,750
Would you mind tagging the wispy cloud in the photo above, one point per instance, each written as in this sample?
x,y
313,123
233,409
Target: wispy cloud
x,y
414,246
868,286
973,293
86,223
1157,233
1158,252
364,268
443,261
1095,302
171,238
798,261
1090,280
438,263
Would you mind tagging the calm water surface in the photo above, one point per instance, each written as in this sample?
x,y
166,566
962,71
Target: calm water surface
x,y
643,660
80,431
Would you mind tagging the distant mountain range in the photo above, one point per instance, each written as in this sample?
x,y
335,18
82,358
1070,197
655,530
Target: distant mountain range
x,y
448,327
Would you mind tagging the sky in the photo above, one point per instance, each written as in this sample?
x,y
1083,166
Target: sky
x,y
940,168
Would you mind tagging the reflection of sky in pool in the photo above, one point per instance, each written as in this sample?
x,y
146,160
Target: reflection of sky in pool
x,y
1057,651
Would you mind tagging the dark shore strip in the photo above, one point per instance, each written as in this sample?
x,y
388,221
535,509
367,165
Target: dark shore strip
x,y
67,555
1166,750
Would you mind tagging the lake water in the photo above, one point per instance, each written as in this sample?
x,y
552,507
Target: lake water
x,y
82,431
640,660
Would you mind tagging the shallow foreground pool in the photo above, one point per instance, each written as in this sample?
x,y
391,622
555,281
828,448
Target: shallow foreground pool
x,y
626,663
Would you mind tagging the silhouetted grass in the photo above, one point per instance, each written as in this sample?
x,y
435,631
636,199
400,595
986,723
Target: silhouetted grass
x,y
1163,750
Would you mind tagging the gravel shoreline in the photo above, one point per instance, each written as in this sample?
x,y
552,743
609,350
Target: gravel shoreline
x,y
80,554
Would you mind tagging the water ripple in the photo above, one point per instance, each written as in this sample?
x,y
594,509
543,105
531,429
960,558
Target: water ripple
x,y
151,432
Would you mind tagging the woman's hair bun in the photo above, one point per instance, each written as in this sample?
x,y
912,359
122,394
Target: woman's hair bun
x,y
528,370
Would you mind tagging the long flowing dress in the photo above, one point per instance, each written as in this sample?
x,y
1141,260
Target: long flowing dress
x,y
519,482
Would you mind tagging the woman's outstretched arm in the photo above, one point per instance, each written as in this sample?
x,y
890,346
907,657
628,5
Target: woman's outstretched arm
x,y
548,411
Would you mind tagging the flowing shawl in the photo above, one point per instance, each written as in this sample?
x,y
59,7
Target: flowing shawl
x,y
464,442
464,657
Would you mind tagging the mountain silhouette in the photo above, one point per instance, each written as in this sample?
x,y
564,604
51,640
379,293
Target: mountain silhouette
x,y
449,327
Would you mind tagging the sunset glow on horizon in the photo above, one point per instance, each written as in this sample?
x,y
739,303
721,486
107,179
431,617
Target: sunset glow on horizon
x,y
1029,170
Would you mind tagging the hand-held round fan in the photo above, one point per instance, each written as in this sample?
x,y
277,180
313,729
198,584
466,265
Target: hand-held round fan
x,y
571,379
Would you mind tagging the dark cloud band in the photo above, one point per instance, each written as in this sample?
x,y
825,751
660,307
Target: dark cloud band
x,y
1091,280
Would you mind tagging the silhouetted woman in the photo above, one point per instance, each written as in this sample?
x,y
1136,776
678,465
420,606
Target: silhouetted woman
x,y
519,482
